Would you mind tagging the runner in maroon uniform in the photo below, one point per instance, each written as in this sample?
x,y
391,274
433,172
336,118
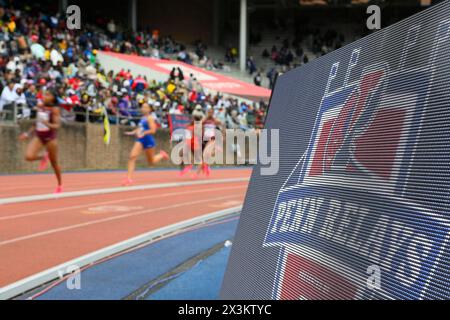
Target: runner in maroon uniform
x,y
43,136
210,124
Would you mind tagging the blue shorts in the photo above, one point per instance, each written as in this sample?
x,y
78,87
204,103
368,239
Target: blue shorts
x,y
147,141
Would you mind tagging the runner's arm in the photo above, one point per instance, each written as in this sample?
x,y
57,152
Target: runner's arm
x,y
56,119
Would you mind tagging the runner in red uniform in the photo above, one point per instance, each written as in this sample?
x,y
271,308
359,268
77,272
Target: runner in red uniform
x,y
43,136
194,143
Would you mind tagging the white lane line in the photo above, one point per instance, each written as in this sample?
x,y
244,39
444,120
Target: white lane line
x,y
92,222
40,278
64,208
26,185
114,190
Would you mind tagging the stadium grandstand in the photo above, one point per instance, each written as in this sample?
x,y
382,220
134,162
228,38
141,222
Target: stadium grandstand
x,y
253,41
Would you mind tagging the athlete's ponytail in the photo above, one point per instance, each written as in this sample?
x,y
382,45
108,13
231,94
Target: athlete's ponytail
x,y
54,93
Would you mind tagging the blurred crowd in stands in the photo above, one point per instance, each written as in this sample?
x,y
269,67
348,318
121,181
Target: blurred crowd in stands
x,y
290,53
37,52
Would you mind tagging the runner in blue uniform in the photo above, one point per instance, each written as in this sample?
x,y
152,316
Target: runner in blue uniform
x,y
144,142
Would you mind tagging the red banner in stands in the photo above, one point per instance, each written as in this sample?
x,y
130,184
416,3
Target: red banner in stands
x,y
158,68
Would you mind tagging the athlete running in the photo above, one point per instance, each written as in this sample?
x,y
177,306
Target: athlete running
x,y
194,145
210,124
43,136
144,142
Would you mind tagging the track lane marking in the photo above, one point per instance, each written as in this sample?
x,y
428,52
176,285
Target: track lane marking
x,y
72,183
73,179
35,280
93,222
34,213
115,190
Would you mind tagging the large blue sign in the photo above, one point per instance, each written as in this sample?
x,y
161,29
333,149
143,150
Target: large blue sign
x,y
363,212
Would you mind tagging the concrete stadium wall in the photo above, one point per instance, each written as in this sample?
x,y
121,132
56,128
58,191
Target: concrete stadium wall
x,y
186,21
81,147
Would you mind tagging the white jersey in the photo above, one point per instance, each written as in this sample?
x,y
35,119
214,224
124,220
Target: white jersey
x,y
42,115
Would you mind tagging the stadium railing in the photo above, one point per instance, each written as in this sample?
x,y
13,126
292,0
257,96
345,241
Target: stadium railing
x,y
12,113
9,113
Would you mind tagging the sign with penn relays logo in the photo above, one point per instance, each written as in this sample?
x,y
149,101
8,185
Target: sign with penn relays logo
x,y
355,170
363,212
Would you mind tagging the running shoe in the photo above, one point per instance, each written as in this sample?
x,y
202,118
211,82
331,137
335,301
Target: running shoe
x,y
127,182
185,170
206,170
59,189
43,165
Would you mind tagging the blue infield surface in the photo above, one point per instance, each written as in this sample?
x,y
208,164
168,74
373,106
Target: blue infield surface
x,y
189,265
202,282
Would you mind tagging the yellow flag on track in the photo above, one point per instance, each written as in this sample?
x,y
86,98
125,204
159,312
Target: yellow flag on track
x,y
106,127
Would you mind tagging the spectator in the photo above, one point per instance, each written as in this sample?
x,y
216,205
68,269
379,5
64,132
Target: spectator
x,y
9,95
111,27
67,61
198,112
257,79
251,67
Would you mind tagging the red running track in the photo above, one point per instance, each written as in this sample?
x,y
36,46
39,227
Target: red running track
x,y
31,184
38,235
